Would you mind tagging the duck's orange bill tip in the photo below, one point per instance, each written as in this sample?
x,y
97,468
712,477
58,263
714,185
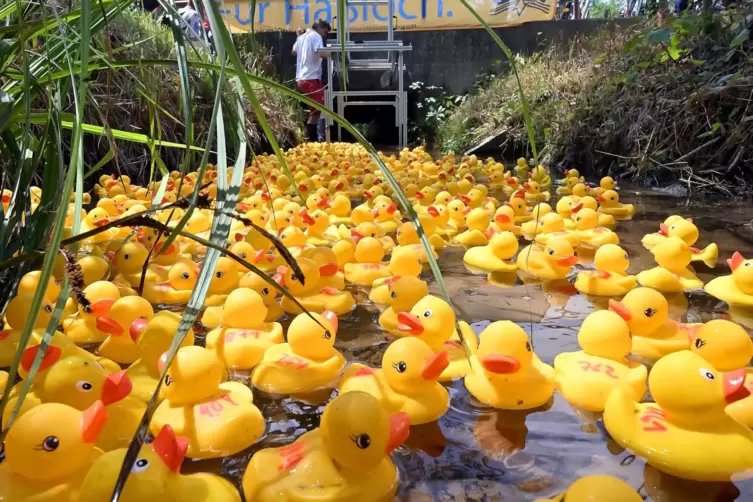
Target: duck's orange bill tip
x,y
567,261
137,327
171,449
577,207
238,237
435,365
109,325
322,203
93,420
399,430
328,269
265,197
331,318
409,323
307,219
489,233
663,228
419,195
433,211
100,222
620,309
498,363
526,185
161,362
733,381
503,219
6,198
259,256
339,186
116,387
356,235
690,220
101,307
508,203
467,210
279,279
601,199
520,194
375,212
735,261
50,357
244,207
390,281
511,181
392,208
692,331
566,171
303,188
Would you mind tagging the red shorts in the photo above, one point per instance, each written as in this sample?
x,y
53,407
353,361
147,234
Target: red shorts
x,y
312,89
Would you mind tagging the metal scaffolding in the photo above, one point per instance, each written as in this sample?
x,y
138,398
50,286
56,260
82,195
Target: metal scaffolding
x,y
391,65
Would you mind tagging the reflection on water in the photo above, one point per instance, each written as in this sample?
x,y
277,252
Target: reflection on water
x,y
478,453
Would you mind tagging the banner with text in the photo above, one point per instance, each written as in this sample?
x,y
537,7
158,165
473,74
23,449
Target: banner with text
x,y
408,14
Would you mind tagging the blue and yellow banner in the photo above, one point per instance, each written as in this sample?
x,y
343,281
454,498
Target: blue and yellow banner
x,y
409,14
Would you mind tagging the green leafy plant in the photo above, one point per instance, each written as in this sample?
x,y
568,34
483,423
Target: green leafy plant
x,y
433,105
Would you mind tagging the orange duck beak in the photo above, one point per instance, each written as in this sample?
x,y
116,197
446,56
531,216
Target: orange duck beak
x,y
306,217
433,212
100,307
399,430
116,387
577,207
567,261
620,309
109,325
733,382
735,261
170,448
328,269
503,219
331,318
93,420
501,364
435,365
50,357
137,327
409,323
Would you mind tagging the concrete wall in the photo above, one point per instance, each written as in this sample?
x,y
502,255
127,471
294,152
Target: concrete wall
x,y
449,58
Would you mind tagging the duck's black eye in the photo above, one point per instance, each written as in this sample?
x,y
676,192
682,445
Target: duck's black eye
x,y
244,255
185,275
48,309
551,252
400,366
168,380
127,256
649,312
265,291
699,343
50,443
219,275
393,295
327,335
362,441
140,465
528,346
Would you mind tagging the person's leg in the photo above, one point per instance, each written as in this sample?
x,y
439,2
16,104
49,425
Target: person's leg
x,y
305,88
318,96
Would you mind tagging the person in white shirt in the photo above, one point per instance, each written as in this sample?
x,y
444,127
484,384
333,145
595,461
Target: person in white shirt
x,y
192,22
309,54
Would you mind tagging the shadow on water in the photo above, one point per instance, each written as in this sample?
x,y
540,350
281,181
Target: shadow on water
x,y
478,453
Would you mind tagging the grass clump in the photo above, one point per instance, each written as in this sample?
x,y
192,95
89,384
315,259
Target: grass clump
x,y
655,103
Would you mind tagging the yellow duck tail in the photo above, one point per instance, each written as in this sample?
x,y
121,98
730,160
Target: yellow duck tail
x,y
708,255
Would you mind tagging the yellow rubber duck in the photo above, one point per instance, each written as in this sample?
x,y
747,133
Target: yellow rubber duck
x,y
101,295
581,189
317,222
567,187
477,222
728,347
597,489
404,293
308,362
179,286
654,335
431,319
605,220
76,382
511,186
506,373
521,168
672,275
96,218
606,183
586,378
686,433
128,265
155,475
533,194
504,220
441,215
737,288
497,256
48,452
403,263
407,381
346,458
610,277
590,234
326,259
339,210
368,267
555,261
310,293
153,338
122,325
610,204
244,337
539,175
685,229
548,226
218,418
386,216
574,173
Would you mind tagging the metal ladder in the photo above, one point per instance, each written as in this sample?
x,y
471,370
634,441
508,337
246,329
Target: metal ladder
x,y
337,101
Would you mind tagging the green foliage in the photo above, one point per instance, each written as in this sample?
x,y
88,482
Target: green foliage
x,y
434,105
606,8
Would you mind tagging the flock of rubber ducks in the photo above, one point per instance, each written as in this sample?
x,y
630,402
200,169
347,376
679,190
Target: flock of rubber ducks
x,y
73,429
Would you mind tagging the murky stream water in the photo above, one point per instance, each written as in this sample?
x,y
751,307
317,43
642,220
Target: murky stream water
x,y
477,453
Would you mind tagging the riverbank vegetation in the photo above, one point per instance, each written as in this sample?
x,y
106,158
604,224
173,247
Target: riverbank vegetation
x,y
655,103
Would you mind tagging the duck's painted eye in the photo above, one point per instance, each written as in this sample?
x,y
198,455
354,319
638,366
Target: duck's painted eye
x,y
748,264
50,443
168,380
185,275
393,295
219,275
84,386
649,312
362,441
140,465
428,313
400,366
127,256
528,346
626,256
551,252
707,374
265,291
327,335
699,343
244,255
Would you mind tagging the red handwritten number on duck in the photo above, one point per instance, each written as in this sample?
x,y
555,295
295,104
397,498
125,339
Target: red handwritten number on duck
x,y
243,333
290,360
654,419
607,369
214,408
290,456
